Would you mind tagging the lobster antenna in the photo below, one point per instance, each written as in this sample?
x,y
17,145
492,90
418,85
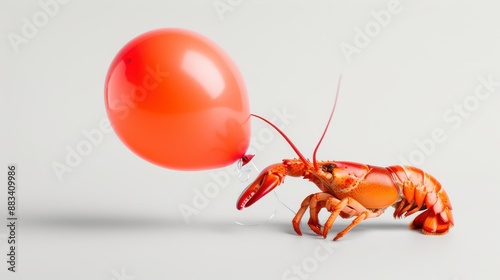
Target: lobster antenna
x,y
302,158
315,163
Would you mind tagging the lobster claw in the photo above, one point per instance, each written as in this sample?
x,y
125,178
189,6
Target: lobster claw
x,y
267,180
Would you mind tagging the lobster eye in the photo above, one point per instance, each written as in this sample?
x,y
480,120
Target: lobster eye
x,y
328,168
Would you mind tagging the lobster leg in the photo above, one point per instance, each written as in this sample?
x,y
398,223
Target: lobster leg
x,y
303,207
339,206
316,202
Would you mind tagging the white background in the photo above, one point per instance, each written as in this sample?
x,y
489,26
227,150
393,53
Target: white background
x,y
116,216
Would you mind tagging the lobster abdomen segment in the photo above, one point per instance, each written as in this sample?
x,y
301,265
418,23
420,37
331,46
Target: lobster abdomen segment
x,y
422,191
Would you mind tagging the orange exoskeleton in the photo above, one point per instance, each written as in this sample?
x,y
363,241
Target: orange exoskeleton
x,y
356,190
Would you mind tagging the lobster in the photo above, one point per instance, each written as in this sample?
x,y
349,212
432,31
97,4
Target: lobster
x,y
357,190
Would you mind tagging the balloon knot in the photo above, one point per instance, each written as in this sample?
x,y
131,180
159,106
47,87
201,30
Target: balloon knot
x,y
246,159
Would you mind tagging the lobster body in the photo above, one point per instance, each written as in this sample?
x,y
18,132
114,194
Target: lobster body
x,y
350,189
371,186
355,189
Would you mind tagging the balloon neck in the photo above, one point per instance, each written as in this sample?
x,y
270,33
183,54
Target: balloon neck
x,y
246,159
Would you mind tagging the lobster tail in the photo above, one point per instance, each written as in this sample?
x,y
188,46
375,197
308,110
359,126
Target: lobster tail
x,y
421,191
437,219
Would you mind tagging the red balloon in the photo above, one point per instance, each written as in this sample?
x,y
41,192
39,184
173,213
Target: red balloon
x,y
177,100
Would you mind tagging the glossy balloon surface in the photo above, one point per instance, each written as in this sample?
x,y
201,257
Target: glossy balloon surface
x,y
177,100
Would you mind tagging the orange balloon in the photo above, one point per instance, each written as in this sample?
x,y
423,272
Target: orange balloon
x,y
177,100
